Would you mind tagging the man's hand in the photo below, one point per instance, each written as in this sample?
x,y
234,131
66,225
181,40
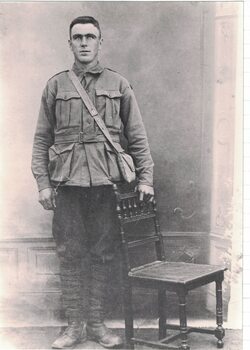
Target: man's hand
x,y
146,193
47,198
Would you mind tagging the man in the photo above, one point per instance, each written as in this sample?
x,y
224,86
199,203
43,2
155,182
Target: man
x,y
75,167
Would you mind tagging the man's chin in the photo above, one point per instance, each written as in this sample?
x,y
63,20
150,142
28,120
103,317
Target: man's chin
x,y
85,59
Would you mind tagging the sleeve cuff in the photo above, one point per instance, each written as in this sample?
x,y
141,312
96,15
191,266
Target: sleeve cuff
x,y
43,182
145,183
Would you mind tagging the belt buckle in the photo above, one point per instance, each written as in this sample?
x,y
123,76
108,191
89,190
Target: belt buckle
x,y
81,137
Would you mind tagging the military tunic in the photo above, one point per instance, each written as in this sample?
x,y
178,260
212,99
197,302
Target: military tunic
x,y
61,158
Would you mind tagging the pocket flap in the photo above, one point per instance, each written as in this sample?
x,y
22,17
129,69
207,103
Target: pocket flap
x,y
108,93
67,95
59,149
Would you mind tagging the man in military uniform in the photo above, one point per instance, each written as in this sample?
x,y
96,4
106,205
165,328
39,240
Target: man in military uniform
x,y
75,167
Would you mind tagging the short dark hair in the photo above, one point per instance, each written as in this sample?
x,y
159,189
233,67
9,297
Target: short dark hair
x,y
83,20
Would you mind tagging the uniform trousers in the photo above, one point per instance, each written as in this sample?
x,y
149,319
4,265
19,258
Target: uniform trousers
x,y
85,229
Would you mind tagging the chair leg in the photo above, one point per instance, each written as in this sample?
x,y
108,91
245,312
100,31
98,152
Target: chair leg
x,y
128,313
162,313
219,331
183,321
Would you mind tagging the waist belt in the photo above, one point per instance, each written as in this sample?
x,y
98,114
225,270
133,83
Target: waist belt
x,y
81,138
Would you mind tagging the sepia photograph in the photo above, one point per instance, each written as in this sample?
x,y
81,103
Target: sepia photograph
x,y
121,175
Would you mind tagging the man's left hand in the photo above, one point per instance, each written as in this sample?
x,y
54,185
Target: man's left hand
x,y
146,193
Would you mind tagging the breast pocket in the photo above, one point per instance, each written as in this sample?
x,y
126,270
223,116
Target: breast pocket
x,y
108,105
68,109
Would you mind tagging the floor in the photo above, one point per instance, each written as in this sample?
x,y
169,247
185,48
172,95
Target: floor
x,y
42,337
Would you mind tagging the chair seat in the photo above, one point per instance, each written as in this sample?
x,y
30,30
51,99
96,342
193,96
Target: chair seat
x,y
174,272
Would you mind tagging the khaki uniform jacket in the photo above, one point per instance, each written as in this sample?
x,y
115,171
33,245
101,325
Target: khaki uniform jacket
x,y
61,158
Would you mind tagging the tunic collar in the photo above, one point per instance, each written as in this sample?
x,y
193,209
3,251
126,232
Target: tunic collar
x,y
80,71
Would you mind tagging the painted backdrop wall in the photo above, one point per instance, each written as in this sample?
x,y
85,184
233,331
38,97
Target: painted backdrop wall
x,y
158,46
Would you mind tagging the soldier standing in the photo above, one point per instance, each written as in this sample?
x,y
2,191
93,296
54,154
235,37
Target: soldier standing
x,y
75,166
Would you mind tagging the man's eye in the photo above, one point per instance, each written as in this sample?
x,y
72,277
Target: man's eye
x,y
90,36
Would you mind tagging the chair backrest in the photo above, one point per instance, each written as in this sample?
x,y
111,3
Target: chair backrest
x,y
130,210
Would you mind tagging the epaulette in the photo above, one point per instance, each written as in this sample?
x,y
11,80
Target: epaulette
x,y
63,71
112,70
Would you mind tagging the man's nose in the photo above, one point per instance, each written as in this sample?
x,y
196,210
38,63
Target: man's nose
x,y
84,41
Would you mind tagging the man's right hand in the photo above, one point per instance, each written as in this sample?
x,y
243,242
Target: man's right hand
x,y
47,198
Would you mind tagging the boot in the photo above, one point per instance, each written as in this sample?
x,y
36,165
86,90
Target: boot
x,y
96,329
71,299
103,335
75,333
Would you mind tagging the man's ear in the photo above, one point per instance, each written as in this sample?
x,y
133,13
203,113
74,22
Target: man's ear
x,y
100,43
70,44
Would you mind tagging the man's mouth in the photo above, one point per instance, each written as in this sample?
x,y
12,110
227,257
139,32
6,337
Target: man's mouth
x,y
84,51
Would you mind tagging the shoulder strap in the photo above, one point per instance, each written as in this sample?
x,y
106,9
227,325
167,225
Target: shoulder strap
x,y
91,108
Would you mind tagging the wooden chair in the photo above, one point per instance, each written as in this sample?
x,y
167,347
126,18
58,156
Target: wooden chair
x,y
178,277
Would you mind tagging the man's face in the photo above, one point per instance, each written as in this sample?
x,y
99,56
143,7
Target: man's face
x,y
85,42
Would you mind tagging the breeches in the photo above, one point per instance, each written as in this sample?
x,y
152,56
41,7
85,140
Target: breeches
x,y
85,222
85,230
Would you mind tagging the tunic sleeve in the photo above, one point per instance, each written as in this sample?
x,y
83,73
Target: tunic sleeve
x,y
43,139
135,133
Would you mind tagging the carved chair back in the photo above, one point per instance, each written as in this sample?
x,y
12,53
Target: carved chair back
x,y
130,210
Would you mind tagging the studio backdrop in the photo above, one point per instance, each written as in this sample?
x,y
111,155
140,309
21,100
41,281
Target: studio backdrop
x,y
181,59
